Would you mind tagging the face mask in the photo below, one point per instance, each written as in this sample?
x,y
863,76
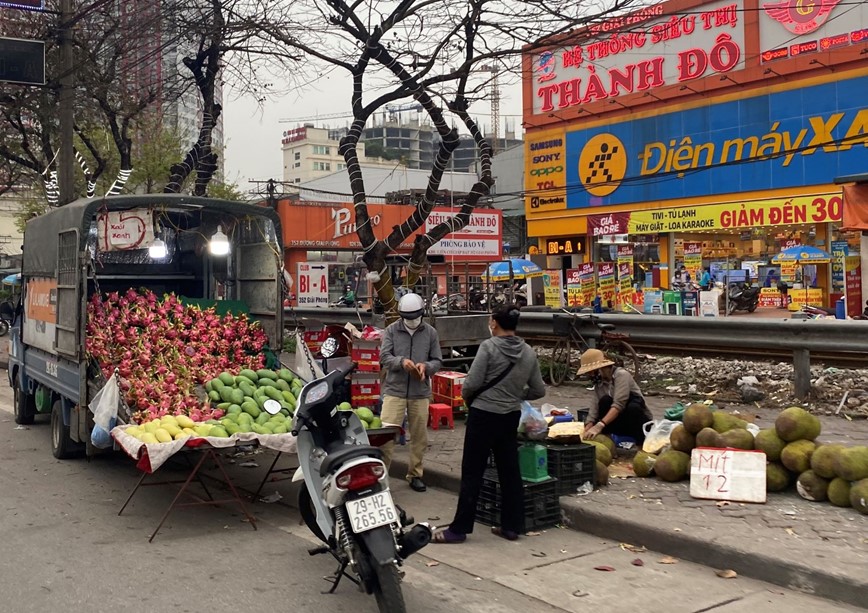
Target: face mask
x,y
412,324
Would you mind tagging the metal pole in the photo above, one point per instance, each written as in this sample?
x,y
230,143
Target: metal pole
x,y
66,156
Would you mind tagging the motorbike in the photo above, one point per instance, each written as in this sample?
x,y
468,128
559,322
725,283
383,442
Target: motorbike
x,y
345,498
742,297
478,300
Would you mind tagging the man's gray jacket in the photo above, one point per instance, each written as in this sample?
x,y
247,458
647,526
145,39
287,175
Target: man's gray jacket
x,y
423,347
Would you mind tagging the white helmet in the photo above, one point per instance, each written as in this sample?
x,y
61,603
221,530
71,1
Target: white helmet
x,y
411,306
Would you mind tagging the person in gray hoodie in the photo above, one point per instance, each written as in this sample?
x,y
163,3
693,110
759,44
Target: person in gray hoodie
x,y
504,373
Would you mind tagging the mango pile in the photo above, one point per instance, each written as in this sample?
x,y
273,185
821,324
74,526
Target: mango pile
x,y
240,404
820,471
365,415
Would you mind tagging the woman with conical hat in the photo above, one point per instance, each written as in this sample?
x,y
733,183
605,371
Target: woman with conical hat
x,y
618,407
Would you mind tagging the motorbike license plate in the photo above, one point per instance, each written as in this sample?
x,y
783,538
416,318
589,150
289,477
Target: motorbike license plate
x,y
372,512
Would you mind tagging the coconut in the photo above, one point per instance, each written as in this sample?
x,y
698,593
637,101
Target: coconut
x,y
643,464
859,496
672,465
681,440
839,492
812,486
725,421
777,477
769,443
823,460
795,424
737,438
697,416
852,463
709,437
796,456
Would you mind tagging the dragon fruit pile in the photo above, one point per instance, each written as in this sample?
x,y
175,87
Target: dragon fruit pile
x,y
163,349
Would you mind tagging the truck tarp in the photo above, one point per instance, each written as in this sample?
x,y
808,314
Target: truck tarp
x,y
40,235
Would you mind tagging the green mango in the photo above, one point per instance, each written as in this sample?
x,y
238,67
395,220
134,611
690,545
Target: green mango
x,y
224,405
289,397
216,384
226,393
286,375
209,385
251,409
268,374
267,383
278,418
263,418
226,421
279,429
245,426
239,379
285,412
258,393
249,374
232,428
259,429
274,394
245,418
282,385
218,432
236,396
214,396
261,400
226,378
233,408
247,387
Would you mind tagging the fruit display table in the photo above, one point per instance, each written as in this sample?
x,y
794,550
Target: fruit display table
x,y
195,452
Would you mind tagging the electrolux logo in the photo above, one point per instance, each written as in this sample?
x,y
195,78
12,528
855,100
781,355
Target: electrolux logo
x,y
536,202
602,164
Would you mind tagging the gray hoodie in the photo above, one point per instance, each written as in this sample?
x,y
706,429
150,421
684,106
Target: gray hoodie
x,y
524,381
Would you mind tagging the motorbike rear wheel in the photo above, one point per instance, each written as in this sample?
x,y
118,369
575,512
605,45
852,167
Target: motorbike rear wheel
x,y
560,362
390,597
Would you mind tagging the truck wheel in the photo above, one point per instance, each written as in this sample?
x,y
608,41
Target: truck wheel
x,y
24,405
62,447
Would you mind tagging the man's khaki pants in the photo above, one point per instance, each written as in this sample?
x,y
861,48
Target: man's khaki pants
x,y
417,416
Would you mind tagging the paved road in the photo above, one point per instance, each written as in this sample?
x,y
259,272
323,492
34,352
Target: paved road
x,y
65,548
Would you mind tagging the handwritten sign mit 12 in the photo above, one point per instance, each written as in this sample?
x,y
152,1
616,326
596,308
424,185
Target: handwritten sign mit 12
x,y
728,474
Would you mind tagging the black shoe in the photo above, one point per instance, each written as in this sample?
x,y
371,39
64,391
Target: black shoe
x,y
417,484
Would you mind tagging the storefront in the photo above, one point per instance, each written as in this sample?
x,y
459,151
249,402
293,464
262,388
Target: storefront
x,y
683,146
323,254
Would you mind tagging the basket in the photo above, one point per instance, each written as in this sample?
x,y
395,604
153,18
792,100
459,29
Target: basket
x,y
541,505
572,465
562,325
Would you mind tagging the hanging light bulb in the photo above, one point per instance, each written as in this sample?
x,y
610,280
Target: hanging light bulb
x,y
157,249
219,243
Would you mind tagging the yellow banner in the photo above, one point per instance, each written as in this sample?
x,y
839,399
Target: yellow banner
x,y
739,215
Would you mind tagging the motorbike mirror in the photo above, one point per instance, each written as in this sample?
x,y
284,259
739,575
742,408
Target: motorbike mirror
x,y
329,347
272,407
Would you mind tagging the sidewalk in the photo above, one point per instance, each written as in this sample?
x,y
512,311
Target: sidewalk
x,y
808,546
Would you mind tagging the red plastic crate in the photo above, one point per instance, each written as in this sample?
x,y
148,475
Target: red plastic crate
x,y
446,387
366,355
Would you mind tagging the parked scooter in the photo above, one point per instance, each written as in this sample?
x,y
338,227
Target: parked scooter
x,y
742,297
345,499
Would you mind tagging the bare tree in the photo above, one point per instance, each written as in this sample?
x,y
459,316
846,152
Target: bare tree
x,y
430,51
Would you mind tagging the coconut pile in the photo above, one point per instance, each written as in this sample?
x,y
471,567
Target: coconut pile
x,y
746,381
820,472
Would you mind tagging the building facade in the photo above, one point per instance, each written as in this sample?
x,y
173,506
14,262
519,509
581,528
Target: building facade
x,y
703,134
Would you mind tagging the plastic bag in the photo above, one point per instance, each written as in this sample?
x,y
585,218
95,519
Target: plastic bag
x,y
657,434
104,407
532,422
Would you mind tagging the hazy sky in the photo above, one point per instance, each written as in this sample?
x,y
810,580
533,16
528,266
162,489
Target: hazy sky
x,y
252,133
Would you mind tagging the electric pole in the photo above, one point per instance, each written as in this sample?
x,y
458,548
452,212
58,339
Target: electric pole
x,y
66,106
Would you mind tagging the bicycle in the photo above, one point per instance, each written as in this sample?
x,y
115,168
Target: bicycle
x,y
613,344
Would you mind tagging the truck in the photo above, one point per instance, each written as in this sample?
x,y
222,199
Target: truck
x,y
212,252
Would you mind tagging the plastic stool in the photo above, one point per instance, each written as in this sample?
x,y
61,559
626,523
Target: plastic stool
x,y
437,413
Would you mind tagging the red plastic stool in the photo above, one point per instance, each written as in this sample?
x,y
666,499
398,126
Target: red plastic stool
x,y
437,413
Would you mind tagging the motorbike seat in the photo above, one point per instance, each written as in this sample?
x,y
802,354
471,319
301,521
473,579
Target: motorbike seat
x,y
344,453
606,327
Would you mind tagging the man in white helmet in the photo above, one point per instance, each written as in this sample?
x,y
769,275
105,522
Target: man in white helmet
x,y
409,356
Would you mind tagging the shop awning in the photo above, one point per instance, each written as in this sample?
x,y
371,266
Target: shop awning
x,y
855,198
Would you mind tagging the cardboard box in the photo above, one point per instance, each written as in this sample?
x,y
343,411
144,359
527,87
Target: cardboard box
x,y
366,355
314,339
446,387
365,389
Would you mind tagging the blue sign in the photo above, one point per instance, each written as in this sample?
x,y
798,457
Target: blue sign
x,y
793,138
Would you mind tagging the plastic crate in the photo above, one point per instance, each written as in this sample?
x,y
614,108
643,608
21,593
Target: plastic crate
x,y
572,465
541,504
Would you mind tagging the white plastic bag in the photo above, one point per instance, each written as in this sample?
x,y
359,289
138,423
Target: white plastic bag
x,y
532,422
303,359
657,434
104,407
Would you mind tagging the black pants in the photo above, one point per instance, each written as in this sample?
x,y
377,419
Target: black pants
x,y
630,419
490,432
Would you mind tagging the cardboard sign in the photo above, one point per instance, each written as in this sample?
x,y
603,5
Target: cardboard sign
x,y
728,474
125,230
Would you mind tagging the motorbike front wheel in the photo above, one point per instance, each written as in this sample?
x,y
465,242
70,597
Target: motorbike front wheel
x,y
390,597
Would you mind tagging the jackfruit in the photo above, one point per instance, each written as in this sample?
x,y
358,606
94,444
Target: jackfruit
x,y
725,421
672,465
681,440
608,442
839,492
796,456
643,464
696,417
777,477
812,486
851,463
603,454
796,424
601,473
769,443
709,437
823,460
859,496
737,438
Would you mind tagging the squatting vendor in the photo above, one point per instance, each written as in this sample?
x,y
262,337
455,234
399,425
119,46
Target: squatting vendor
x,y
618,406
